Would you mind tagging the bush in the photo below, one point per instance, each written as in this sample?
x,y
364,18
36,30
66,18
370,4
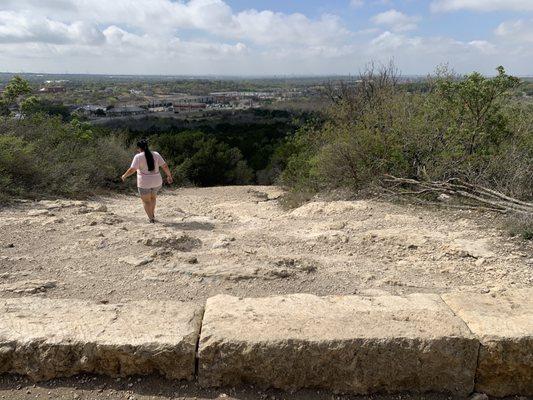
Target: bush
x,y
33,105
18,169
200,159
521,226
460,128
43,156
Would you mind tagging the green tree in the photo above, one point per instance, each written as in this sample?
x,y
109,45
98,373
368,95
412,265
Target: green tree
x,y
203,160
476,102
16,88
4,108
33,105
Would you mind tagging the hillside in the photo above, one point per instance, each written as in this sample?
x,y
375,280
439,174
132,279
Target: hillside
x,y
238,240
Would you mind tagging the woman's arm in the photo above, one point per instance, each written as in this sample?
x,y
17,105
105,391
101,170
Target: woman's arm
x,y
128,173
167,173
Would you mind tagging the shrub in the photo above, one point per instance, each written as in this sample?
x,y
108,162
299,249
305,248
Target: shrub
x,y
520,226
202,160
465,128
18,169
43,156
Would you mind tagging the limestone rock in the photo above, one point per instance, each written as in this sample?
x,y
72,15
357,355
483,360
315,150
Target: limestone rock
x,y
348,344
328,208
44,338
472,248
28,287
223,242
504,326
100,208
136,261
40,213
286,267
444,197
230,272
181,242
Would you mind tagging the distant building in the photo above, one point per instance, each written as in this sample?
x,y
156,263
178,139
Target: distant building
x,y
91,111
52,89
160,106
189,107
194,100
124,111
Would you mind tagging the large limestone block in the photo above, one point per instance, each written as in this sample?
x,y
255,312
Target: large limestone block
x,y
345,344
504,326
45,338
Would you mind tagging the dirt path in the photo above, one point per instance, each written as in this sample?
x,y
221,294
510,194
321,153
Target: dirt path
x,y
153,388
238,240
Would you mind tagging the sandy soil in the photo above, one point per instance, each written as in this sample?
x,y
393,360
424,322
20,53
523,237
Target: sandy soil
x,y
238,240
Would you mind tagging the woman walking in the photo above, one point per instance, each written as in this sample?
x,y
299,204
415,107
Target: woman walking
x,y
149,181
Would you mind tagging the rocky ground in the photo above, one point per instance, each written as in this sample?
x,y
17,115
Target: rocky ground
x,y
153,388
240,241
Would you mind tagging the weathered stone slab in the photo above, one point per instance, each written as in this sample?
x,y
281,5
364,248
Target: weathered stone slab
x,y
348,344
504,326
48,338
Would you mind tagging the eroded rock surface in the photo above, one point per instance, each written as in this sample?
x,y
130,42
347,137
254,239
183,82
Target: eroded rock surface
x,y
248,244
346,344
504,325
28,287
44,339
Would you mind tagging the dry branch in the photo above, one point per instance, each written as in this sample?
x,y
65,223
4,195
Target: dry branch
x,y
477,196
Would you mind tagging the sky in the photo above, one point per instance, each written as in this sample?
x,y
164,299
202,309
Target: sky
x,y
264,37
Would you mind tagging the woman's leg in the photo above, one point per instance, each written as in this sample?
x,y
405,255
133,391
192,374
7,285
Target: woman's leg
x,y
153,200
147,204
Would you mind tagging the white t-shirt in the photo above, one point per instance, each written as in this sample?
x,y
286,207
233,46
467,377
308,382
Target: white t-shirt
x,y
148,179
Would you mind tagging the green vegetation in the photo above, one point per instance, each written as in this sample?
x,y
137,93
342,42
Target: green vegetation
x,y
520,226
15,89
41,155
220,148
468,128
476,128
47,152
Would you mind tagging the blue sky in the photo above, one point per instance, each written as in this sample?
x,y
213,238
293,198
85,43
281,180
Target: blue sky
x,y
462,25
264,37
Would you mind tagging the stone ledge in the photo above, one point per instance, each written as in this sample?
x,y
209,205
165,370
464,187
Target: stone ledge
x,y
44,338
351,344
504,326
344,344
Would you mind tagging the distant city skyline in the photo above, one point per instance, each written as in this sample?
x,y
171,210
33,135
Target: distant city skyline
x,y
264,38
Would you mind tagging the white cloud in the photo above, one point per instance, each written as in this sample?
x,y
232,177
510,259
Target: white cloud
x,y
483,46
482,5
22,28
269,28
516,31
357,3
165,17
396,20
209,37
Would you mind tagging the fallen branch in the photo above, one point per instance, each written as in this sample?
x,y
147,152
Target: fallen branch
x,y
477,196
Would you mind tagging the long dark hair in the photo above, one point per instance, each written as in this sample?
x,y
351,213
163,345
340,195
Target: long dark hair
x,y
143,145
